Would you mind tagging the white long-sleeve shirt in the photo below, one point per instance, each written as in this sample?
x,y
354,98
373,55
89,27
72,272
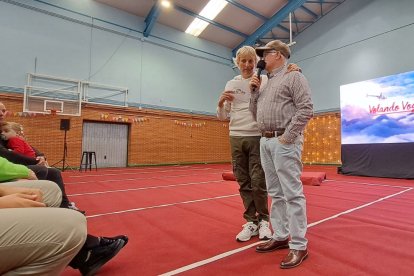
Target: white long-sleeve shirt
x,y
242,122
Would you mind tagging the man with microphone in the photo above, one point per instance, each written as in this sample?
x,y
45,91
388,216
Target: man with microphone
x,y
282,110
245,144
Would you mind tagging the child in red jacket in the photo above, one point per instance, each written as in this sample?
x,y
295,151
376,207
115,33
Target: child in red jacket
x,y
13,133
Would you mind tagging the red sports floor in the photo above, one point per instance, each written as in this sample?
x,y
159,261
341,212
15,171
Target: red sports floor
x,y
184,219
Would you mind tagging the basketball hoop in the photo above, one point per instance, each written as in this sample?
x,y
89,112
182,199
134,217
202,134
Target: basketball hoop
x,y
53,112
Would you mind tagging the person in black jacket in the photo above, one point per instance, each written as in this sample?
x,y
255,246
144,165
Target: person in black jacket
x,y
37,165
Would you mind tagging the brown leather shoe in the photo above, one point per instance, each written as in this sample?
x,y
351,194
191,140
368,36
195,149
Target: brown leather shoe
x,y
272,245
294,258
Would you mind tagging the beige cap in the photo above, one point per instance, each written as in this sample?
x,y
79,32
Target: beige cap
x,y
276,45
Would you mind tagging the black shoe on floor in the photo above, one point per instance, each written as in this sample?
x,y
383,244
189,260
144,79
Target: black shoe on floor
x,y
100,255
106,240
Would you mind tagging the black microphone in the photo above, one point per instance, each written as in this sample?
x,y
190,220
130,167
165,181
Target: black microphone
x,y
260,66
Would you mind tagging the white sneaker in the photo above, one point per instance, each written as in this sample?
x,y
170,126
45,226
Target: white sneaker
x,y
249,230
264,230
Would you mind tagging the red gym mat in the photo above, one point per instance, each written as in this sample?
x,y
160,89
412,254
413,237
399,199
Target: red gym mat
x,y
307,178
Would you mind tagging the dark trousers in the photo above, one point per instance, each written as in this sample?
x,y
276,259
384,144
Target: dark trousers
x,y
54,175
245,152
82,256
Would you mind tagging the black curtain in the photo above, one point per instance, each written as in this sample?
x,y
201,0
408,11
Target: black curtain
x,y
381,160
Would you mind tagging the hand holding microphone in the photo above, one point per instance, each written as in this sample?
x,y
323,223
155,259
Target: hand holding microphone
x,y
255,81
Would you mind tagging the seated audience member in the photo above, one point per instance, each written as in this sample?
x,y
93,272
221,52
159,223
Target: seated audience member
x,y
13,134
9,171
25,223
95,252
37,165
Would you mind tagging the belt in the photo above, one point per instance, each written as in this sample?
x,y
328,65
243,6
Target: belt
x,y
271,134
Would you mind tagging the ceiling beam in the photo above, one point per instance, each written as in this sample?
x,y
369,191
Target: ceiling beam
x,y
246,9
308,11
184,10
255,13
151,18
273,38
323,2
299,21
272,22
296,23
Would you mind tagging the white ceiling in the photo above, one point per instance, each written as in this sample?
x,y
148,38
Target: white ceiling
x,y
242,17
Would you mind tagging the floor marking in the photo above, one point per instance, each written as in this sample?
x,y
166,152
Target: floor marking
x,y
155,167
136,178
367,183
357,208
134,172
161,206
148,188
210,260
228,253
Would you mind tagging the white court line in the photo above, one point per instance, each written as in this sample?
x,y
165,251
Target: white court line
x,y
196,183
135,172
357,208
150,187
366,183
156,167
229,253
135,178
160,206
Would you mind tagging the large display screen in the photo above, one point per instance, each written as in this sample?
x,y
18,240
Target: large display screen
x,y
379,110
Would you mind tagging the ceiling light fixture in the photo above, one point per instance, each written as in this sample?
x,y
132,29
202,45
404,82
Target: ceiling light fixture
x,y
210,11
166,4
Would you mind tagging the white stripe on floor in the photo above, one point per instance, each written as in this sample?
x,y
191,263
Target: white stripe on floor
x,y
228,253
161,206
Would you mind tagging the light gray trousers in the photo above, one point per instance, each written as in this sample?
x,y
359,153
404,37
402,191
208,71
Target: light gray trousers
x,y
39,241
283,167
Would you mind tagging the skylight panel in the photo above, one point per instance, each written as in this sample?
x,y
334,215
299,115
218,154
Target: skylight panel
x,y
210,11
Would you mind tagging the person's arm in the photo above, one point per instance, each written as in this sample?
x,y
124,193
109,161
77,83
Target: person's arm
x,y
255,82
9,171
293,67
40,157
224,105
38,153
301,96
16,158
16,197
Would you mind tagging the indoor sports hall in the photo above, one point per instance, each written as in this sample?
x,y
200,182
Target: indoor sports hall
x,y
182,220
126,100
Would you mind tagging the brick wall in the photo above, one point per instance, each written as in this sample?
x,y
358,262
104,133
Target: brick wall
x,y
161,137
155,137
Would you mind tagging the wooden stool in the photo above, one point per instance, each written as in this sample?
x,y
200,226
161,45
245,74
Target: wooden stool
x,y
88,157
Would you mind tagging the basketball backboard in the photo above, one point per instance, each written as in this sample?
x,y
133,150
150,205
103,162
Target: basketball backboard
x,y
47,94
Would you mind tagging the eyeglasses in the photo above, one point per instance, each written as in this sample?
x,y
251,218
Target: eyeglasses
x,y
269,53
